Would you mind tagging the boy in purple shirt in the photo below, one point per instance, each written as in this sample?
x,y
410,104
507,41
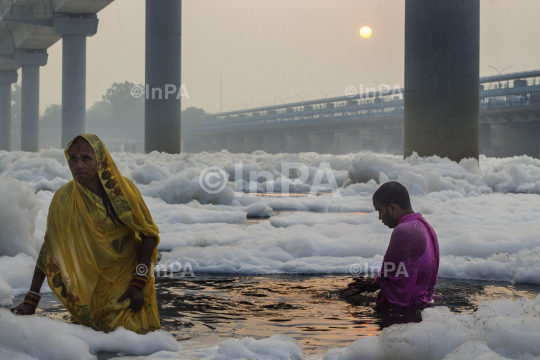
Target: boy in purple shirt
x,y
411,263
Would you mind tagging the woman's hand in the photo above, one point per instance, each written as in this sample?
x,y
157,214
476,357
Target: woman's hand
x,y
136,295
23,309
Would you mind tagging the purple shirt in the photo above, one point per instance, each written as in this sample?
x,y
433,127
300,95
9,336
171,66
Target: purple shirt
x,y
411,263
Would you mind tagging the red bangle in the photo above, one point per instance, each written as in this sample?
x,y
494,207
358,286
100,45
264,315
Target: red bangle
x,y
138,281
32,299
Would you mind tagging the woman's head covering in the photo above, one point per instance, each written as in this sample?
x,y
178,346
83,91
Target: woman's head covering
x,y
125,200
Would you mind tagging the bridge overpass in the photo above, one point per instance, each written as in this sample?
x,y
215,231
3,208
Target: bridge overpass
x,y
509,122
27,29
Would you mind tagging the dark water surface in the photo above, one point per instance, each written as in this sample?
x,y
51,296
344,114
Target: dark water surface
x,y
305,307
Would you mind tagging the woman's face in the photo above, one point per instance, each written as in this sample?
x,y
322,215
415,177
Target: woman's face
x,y
82,161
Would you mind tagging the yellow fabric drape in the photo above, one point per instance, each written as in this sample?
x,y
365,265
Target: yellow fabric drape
x,y
89,261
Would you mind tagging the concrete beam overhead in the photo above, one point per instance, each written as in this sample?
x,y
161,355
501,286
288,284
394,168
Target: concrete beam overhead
x,y
33,37
9,65
80,6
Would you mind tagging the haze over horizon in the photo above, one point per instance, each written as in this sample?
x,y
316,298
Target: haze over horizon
x,y
269,49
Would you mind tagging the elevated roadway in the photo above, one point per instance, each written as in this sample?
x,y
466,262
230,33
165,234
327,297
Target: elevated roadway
x,y
27,29
509,116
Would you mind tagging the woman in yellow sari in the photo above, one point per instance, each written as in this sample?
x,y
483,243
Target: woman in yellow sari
x,y
100,243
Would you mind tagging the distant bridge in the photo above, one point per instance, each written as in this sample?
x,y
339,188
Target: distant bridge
x,y
509,122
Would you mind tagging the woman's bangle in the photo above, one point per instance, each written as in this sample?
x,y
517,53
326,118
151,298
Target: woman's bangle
x,y
32,298
138,281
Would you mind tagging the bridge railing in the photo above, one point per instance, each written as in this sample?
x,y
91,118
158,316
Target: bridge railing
x,y
346,111
298,118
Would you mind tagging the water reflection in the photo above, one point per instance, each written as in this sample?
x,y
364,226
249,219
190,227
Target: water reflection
x,y
256,220
305,307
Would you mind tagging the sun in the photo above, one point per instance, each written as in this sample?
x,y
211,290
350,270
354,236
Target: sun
x,y
365,32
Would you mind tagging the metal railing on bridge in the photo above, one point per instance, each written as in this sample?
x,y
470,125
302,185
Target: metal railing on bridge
x,y
344,109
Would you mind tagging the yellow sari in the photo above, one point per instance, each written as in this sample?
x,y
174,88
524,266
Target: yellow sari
x,y
88,261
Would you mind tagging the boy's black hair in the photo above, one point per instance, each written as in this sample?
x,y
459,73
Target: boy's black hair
x,y
392,192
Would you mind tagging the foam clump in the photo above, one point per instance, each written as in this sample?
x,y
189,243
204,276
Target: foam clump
x,y
19,240
497,330
276,347
498,267
45,338
6,293
17,272
18,212
469,177
45,170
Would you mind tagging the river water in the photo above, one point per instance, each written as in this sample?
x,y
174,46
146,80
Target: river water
x,y
203,310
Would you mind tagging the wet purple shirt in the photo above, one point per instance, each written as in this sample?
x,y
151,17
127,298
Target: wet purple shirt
x,y
411,263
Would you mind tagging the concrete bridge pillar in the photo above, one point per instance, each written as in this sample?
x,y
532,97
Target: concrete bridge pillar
x,y
30,61
322,143
442,42
274,144
515,139
253,143
74,31
163,39
235,144
296,143
347,142
6,79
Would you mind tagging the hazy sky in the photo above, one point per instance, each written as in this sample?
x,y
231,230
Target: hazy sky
x,y
279,48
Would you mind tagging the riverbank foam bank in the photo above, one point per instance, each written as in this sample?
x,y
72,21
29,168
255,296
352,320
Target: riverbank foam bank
x,y
486,218
483,235
500,329
174,178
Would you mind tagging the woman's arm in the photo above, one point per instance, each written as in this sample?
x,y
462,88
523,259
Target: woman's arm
x,y
37,281
134,293
147,249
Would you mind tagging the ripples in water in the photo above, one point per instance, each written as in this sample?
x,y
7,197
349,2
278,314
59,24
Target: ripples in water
x,y
305,307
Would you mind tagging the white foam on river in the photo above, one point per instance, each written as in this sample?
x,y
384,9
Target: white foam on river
x,y
486,216
44,338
